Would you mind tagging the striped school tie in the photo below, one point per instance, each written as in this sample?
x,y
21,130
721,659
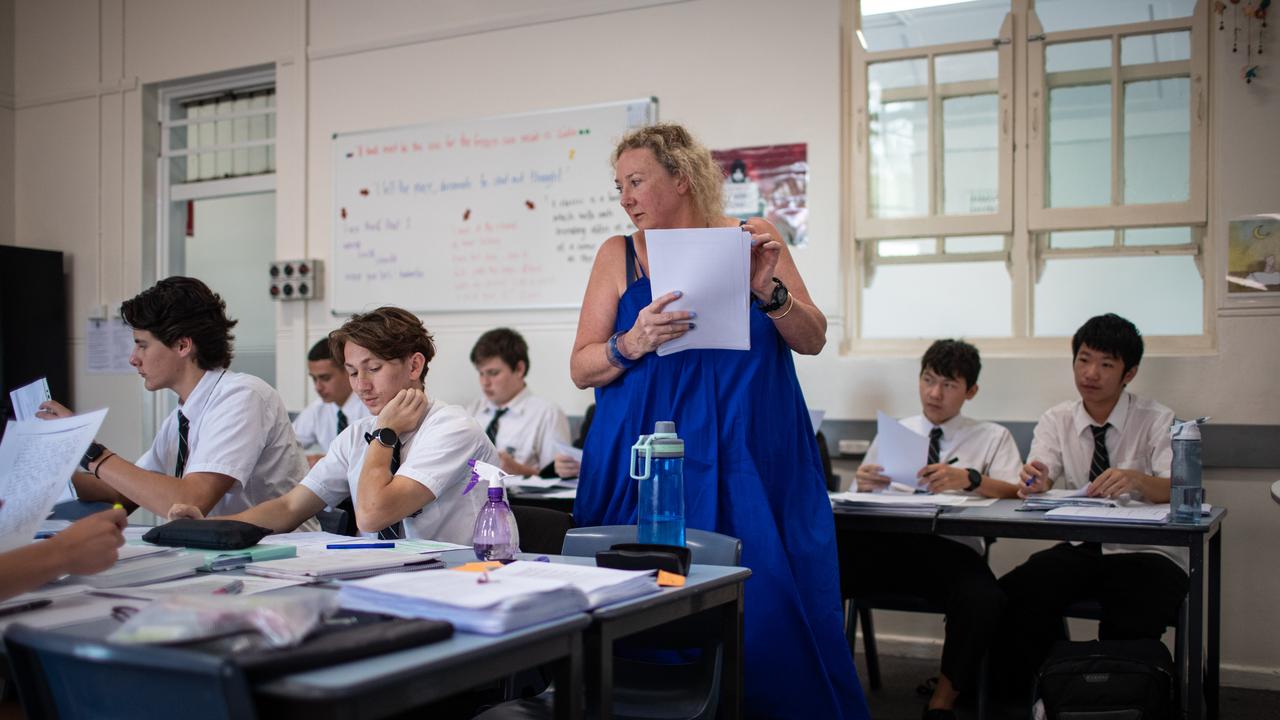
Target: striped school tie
x,y
491,431
935,437
183,426
1101,460
396,531
342,421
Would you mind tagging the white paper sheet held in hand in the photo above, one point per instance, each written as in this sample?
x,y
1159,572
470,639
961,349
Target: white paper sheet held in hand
x,y
712,268
26,399
36,458
899,450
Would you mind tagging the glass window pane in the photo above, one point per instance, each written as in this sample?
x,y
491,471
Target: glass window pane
x,y
1083,55
907,248
895,307
960,67
970,154
1160,47
1157,141
1079,137
1082,239
974,244
899,138
1139,237
224,137
1058,15
240,134
1162,295
896,24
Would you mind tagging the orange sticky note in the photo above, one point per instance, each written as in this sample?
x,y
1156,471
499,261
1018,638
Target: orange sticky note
x,y
670,579
479,566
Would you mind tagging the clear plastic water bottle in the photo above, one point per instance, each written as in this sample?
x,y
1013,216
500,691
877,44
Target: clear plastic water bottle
x,y
494,537
657,462
1186,493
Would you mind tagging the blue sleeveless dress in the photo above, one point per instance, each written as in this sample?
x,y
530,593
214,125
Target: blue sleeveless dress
x,y
751,470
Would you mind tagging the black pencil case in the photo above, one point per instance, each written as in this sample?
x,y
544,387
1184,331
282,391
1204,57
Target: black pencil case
x,y
207,534
645,556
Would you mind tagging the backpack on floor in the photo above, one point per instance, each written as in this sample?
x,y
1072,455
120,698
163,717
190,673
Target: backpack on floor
x,y
1107,680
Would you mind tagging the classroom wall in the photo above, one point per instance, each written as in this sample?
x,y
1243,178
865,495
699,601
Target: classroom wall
x,y
739,72
6,122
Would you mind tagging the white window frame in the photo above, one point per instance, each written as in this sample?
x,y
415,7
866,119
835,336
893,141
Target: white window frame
x,y
1022,217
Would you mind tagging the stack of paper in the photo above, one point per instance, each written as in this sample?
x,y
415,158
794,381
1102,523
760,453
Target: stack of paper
x,y
343,564
488,603
711,267
1064,498
925,504
145,564
201,585
317,543
602,586
1129,513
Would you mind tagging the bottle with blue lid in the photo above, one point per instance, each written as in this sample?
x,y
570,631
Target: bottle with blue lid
x,y
657,463
1186,494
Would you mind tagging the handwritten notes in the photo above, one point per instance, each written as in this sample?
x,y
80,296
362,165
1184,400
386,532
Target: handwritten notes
x,y
492,213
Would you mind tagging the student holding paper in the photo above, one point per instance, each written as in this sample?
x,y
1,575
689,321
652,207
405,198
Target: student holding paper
x,y
87,546
524,427
752,468
227,446
1115,444
404,466
334,409
964,455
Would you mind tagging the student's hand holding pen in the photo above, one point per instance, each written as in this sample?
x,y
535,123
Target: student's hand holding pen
x,y
1035,478
869,478
940,477
90,544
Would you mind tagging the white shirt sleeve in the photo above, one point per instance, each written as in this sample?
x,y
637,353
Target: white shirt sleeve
x,y
1005,460
153,458
233,434
305,426
328,478
1046,445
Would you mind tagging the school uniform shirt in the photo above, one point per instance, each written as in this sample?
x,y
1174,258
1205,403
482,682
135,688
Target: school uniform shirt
x,y
238,427
1138,439
984,446
528,430
434,455
317,425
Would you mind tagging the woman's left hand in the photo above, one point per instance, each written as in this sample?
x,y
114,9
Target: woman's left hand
x,y
766,248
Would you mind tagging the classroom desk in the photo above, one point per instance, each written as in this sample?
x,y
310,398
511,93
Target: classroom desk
x,y
539,498
1002,519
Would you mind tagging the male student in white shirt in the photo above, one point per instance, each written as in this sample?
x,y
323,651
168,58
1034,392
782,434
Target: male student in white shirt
x,y
334,409
1115,444
228,445
965,455
524,427
404,466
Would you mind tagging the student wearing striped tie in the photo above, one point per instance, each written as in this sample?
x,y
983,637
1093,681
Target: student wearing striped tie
x,y
405,465
1113,444
227,447
335,408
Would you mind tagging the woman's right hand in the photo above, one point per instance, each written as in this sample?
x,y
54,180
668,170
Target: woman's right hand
x,y
654,327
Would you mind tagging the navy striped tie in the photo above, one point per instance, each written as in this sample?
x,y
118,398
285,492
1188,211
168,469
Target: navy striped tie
x,y
183,426
342,421
935,455
1101,460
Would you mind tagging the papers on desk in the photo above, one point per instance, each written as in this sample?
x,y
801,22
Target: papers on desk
x,y
481,603
139,564
200,585
309,544
525,483
1157,514
26,399
712,268
36,458
70,610
926,503
342,564
900,450
602,586
1057,498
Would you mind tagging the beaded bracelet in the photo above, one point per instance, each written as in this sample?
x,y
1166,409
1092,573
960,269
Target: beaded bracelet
x,y
616,358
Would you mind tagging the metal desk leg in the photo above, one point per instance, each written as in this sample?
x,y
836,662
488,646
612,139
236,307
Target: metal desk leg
x,y
731,673
1213,638
567,674
1194,696
600,672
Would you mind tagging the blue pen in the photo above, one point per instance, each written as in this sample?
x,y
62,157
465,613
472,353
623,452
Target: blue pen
x,y
359,546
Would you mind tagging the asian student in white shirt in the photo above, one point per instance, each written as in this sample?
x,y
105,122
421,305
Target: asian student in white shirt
x,y
228,445
1114,444
524,427
404,467
335,408
968,456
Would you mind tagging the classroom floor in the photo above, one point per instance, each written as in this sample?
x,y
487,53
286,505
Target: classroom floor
x,y
897,698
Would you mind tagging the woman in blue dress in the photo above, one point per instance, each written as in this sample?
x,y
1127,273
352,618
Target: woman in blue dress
x,y
751,466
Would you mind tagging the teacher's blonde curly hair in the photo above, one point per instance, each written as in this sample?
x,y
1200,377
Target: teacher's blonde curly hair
x,y
683,156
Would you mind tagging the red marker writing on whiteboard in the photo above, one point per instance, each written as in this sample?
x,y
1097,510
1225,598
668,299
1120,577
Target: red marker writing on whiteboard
x,y
528,204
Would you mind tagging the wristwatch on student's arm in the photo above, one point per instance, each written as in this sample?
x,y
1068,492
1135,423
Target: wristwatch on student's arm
x,y
91,455
975,479
385,437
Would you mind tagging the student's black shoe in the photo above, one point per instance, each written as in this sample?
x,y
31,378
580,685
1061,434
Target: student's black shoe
x,y
939,714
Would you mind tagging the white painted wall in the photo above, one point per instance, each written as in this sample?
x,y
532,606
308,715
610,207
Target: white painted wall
x,y
6,122
79,77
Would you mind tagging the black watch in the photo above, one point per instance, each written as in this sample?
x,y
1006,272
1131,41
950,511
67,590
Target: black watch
x,y
385,436
778,298
975,479
91,455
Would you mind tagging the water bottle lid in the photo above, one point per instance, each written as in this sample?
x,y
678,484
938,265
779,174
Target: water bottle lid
x,y
1189,430
665,442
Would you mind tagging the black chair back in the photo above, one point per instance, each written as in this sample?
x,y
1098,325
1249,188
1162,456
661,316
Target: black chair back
x,y
541,530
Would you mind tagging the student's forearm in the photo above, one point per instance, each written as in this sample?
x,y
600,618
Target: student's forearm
x,y
285,513
994,488
155,491
91,489
29,567
589,366
1155,489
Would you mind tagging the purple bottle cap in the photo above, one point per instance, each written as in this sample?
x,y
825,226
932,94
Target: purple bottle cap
x,y
495,493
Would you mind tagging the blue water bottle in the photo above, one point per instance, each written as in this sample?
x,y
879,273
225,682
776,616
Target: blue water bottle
x,y
657,462
1186,493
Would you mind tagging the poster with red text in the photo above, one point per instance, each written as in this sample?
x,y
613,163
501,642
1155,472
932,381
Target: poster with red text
x,y
769,181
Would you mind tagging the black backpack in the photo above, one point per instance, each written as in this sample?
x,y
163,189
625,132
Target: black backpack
x,y
1107,680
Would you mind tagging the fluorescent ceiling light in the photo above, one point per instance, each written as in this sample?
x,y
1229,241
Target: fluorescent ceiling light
x,y
880,7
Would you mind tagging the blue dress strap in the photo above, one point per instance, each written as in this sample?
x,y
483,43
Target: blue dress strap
x,y
634,271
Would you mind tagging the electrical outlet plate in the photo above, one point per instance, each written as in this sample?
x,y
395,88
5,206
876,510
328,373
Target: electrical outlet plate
x,y
296,279
854,447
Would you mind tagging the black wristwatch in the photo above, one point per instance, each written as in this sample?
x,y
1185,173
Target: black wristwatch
x,y
778,298
385,436
975,479
91,455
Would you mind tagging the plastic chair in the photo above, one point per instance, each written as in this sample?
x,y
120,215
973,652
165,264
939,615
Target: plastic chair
x,y
67,677
541,530
643,689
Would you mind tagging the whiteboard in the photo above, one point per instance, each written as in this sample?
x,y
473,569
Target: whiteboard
x,y
497,213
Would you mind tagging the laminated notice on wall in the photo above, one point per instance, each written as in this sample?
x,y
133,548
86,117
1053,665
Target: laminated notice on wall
x,y
108,344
